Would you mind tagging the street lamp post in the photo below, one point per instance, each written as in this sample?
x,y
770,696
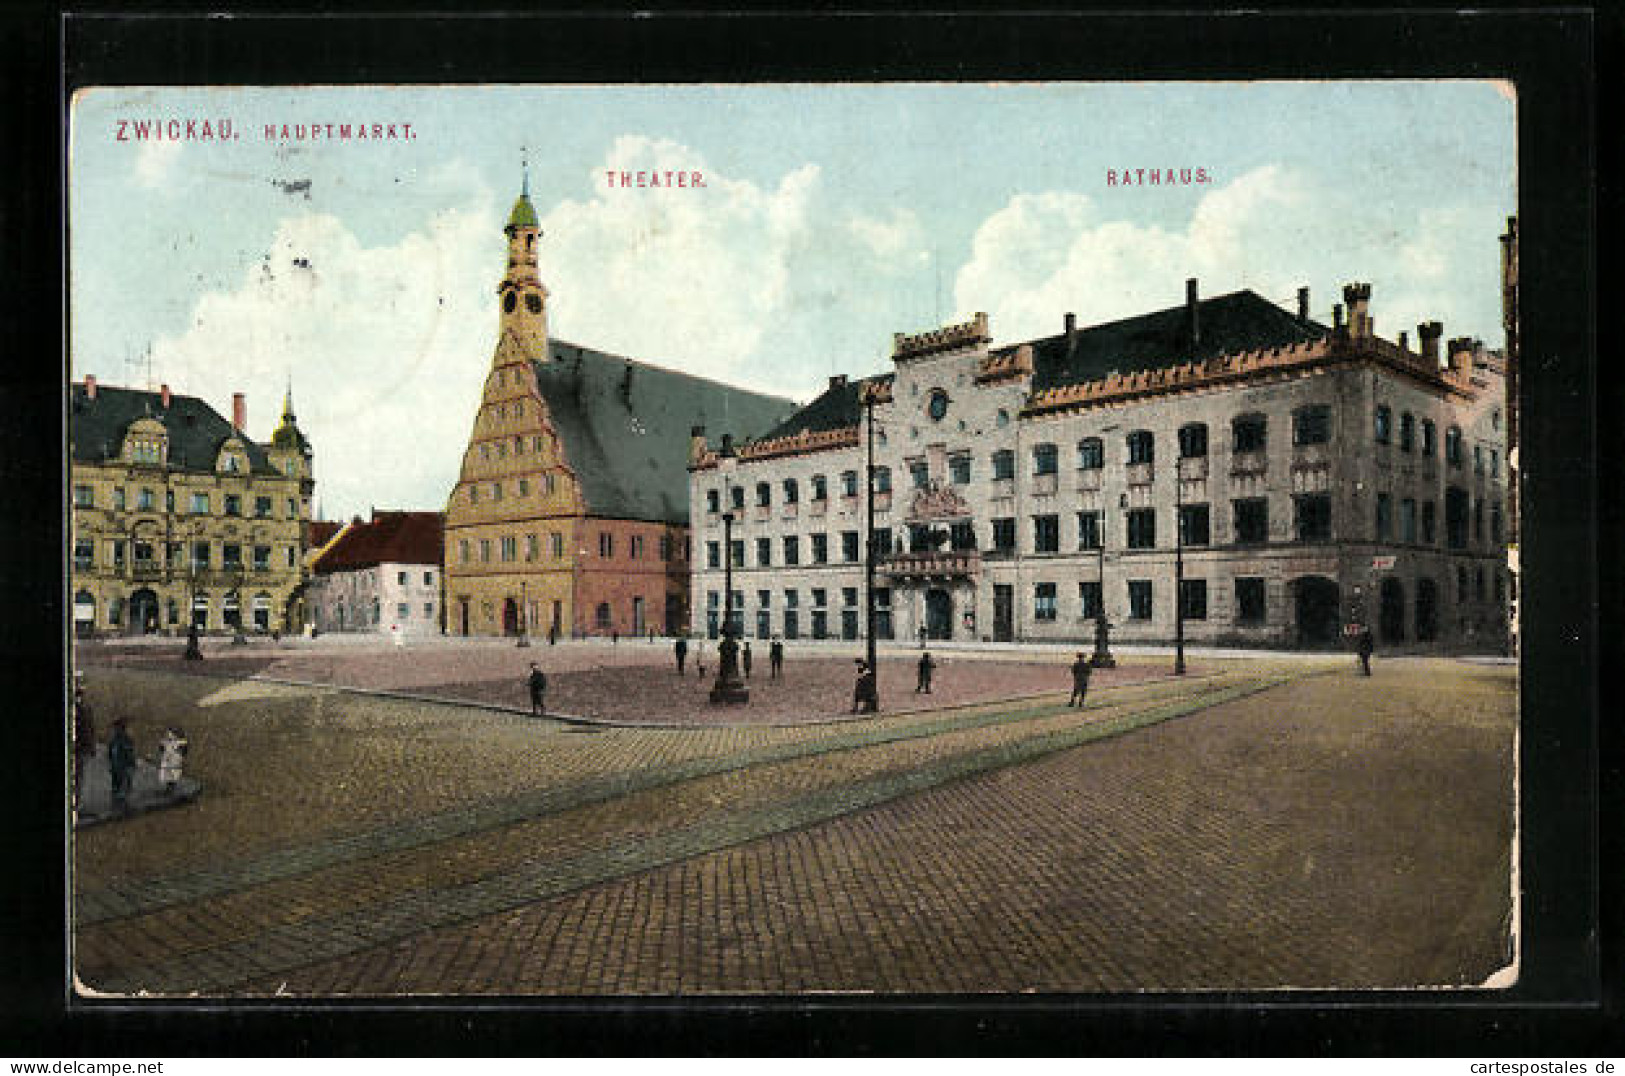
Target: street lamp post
x,y
1179,580
524,619
869,561
729,688
1102,657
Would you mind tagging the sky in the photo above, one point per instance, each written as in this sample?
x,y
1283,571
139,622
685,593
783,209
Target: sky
x,y
364,273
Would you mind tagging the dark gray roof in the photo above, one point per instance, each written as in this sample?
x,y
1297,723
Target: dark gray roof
x,y
626,427
836,409
96,427
1239,321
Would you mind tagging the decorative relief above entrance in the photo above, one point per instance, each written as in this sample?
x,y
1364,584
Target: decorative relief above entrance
x,y
937,503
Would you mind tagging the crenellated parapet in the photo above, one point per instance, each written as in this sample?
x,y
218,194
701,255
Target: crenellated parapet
x,y
972,333
1006,365
795,444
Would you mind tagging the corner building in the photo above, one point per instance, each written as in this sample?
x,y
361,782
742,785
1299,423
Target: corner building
x,y
1280,478
570,512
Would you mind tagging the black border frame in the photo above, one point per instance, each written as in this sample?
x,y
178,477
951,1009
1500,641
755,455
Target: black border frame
x,y
1563,1004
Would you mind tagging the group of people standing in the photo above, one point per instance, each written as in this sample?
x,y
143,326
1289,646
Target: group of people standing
x,y
775,657
121,754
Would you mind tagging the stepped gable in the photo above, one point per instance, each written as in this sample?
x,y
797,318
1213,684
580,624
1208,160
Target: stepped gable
x,y
96,428
1240,321
391,538
626,427
838,407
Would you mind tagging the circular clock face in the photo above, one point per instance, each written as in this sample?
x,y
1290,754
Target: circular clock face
x,y
533,303
509,301
938,406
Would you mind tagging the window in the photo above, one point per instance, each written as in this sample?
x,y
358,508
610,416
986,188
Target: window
x,y
262,505
849,483
1252,520
791,599
736,552
1478,522
1047,534
234,505
1383,428
1091,454
1430,438
820,488
606,544
1193,599
919,474
1478,584
403,611
428,610
1429,512
1407,521
532,548
231,556
883,624
1250,601
637,547
1247,433
293,507
485,550
962,535
1312,517
84,553
713,501
1455,518
200,555
603,618
820,549
849,546
1461,584
1452,446
508,547
1407,432
1192,441
1495,524
84,497
145,500
919,538
1142,447
555,544
1312,425
1088,530
665,547
463,549
1142,528
792,550
400,578
1478,459
1139,599
1004,464
792,492
882,479
959,469
1194,524
200,504
262,558
524,487
764,552
1044,601
1044,459
1089,600
1495,464
1004,535
1385,517
713,554
764,494
736,497
881,536
428,579
496,491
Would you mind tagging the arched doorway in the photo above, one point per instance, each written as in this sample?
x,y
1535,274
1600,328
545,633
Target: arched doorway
x,y
939,614
143,612
1427,610
510,617
1315,610
1391,615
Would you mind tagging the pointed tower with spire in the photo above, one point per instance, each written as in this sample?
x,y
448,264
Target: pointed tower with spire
x,y
290,452
522,296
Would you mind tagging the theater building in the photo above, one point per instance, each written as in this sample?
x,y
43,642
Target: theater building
x,y
1279,478
570,513
180,518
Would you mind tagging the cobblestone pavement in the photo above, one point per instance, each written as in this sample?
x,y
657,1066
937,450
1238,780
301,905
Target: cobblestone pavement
x,y
1309,835
635,682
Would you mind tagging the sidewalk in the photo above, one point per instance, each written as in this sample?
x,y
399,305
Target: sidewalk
x,y
146,793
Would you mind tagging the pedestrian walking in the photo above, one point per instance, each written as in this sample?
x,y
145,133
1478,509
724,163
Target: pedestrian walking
x,y
864,697
84,736
922,679
680,650
396,636
1366,645
775,658
171,754
699,659
1080,680
552,635
120,763
538,690
745,659
194,652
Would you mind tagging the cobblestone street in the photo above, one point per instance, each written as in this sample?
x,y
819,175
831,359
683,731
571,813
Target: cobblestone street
x,y
1262,822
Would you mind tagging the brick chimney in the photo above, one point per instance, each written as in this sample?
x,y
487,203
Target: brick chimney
x,y
1404,341
90,386
696,443
1428,332
239,412
1358,298
1303,304
1461,353
837,381
1193,316
1337,316
163,394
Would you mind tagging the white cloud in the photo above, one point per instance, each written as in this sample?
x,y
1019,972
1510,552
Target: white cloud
x,y
154,161
896,238
1272,230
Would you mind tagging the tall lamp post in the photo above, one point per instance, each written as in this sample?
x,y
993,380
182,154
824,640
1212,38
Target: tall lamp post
x,y
729,688
1102,657
869,560
524,618
1179,579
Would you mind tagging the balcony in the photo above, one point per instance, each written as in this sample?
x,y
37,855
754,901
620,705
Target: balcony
x,y
818,508
945,564
1250,463
1090,479
790,510
1044,484
1193,468
1138,474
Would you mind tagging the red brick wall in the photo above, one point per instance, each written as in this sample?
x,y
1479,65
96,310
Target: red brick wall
x,y
622,576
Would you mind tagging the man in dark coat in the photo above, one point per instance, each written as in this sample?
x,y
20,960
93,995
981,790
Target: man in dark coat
x,y
538,690
864,697
120,763
922,680
84,736
775,658
194,652
1080,681
680,648
744,659
1366,646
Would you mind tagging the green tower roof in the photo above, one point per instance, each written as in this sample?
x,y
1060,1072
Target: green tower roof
x,y
524,214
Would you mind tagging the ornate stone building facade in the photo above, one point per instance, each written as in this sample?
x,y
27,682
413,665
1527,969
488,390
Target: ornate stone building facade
x,y
570,512
180,518
1320,477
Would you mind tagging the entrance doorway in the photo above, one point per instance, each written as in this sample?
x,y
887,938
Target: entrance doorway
x,y
939,614
510,617
143,612
462,616
1427,611
1391,617
1004,608
1315,606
